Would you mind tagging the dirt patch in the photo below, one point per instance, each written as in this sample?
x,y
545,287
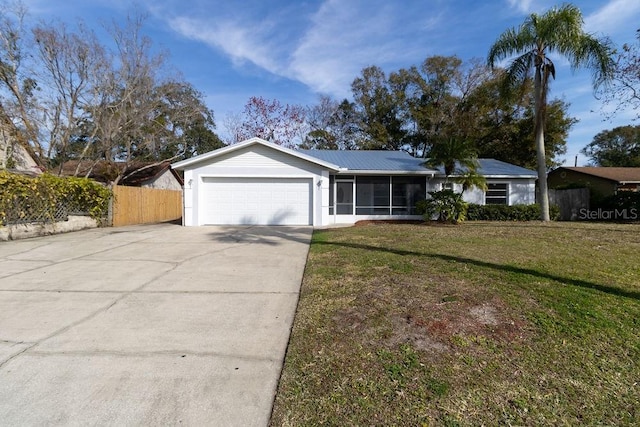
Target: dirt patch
x,y
432,319
406,329
485,314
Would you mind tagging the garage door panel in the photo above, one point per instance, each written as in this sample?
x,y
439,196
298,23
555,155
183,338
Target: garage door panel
x,y
264,201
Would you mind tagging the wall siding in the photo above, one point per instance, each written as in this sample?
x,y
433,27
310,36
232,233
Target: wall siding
x,y
166,181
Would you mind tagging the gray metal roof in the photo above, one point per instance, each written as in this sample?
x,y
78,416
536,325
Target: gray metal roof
x,y
371,160
403,162
493,167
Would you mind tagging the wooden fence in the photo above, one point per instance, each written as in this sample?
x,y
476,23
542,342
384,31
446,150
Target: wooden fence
x,y
137,205
572,202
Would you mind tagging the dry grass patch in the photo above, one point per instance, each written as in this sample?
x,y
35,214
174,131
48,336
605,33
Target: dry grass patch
x,y
484,323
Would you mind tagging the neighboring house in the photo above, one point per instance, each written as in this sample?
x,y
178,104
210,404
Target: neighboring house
x,y
257,182
140,174
161,176
602,181
15,157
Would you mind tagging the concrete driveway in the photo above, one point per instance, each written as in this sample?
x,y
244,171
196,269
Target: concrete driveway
x,y
147,325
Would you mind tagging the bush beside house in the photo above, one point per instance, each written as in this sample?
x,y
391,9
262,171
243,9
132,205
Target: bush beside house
x,y
509,213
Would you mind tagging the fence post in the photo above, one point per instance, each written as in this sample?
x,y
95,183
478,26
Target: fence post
x,y
110,213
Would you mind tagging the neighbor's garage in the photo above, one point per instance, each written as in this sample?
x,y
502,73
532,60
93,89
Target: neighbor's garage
x,y
261,201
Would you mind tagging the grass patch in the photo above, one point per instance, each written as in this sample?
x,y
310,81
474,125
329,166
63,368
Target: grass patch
x,y
478,324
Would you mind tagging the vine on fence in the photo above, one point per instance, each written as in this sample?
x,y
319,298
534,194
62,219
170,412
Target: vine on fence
x,y
49,198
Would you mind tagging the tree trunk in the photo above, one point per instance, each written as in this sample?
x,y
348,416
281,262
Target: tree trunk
x,y
540,107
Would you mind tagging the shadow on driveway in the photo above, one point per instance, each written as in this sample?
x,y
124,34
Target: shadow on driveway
x,y
261,234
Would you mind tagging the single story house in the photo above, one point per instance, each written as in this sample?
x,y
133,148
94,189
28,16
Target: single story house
x,y
257,182
602,181
138,174
159,176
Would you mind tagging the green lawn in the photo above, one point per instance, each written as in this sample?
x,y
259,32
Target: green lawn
x,y
476,324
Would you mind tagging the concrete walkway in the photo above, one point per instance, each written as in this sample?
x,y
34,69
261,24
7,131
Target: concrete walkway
x,y
147,325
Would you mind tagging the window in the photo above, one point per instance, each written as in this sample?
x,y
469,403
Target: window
x,y
497,194
447,186
406,192
372,195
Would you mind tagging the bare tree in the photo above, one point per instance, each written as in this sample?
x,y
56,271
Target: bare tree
x,y
272,121
333,125
18,108
624,91
72,63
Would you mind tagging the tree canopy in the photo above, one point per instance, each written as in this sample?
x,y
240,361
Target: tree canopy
x,y
66,95
616,147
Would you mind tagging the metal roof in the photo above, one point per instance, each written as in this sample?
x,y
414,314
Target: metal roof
x,y
372,160
403,162
493,167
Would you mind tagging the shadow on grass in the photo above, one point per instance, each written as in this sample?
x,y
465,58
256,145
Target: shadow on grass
x,y
626,227
500,267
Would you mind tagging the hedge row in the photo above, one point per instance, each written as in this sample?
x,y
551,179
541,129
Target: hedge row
x,y
621,200
23,198
508,213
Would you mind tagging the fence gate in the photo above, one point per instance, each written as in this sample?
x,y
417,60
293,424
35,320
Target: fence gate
x,y
570,201
137,205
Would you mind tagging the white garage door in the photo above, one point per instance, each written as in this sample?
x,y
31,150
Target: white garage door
x,y
264,201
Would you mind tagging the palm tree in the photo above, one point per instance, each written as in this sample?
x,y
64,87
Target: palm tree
x,y
455,155
451,152
559,31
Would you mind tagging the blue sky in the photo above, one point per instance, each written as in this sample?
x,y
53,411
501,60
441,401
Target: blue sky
x,y
295,50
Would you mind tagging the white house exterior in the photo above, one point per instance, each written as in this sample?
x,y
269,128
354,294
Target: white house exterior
x,y
257,182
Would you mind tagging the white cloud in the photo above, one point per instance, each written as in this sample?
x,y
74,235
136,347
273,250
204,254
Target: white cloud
x,y
337,45
523,6
347,36
325,50
241,42
617,16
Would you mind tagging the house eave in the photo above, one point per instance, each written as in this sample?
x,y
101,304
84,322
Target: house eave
x,y
494,176
181,165
510,176
383,172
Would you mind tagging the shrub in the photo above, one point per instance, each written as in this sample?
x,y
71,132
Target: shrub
x,y
508,213
446,205
25,199
622,200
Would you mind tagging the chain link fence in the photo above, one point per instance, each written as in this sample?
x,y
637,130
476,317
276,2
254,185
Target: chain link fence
x,y
27,210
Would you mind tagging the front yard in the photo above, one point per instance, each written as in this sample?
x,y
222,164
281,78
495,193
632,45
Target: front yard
x,y
483,323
